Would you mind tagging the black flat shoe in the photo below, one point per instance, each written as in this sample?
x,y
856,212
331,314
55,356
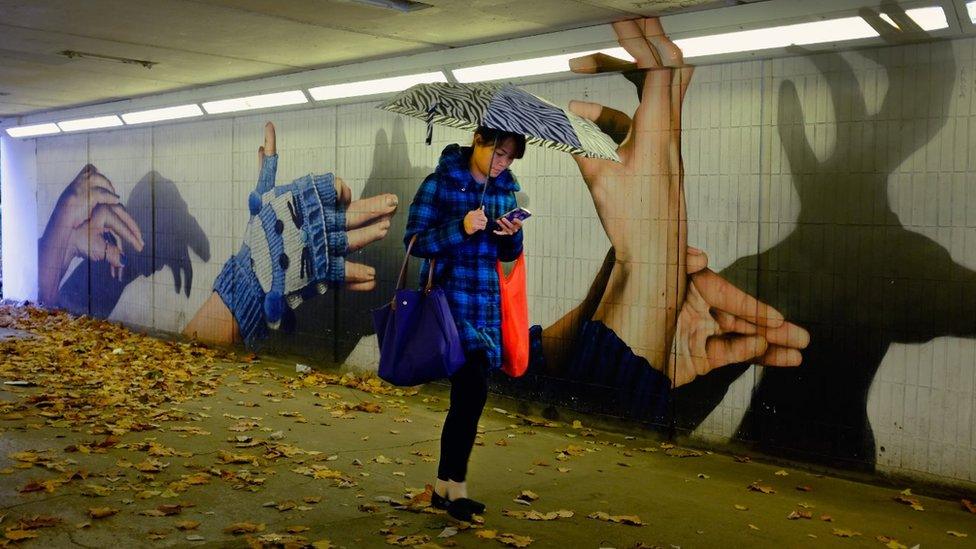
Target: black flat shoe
x,y
463,509
439,501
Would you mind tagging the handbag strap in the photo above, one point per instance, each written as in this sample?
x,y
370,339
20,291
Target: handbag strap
x,y
401,280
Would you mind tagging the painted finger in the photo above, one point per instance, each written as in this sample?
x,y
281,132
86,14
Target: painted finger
x,y
270,139
107,217
631,37
612,122
343,192
360,286
367,210
787,335
99,195
781,357
666,51
733,324
357,272
725,350
96,180
124,216
599,62
358,238
696,259
721,294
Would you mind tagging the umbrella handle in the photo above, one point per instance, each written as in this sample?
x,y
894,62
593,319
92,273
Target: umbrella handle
x,y
430,122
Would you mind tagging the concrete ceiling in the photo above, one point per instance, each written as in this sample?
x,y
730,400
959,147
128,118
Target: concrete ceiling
x,y
201,42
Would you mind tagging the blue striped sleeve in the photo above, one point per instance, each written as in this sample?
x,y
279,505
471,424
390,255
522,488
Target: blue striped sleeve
x,y
436,237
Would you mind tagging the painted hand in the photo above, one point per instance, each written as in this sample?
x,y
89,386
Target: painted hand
x,y
88,221
720,324
640,200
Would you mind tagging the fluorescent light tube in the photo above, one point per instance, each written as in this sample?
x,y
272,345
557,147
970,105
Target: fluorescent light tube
x,y
268,100
90,123
33,130
800,34
166,113
971,8
373,87
528,67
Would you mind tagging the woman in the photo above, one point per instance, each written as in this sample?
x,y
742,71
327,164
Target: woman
x,y
451,224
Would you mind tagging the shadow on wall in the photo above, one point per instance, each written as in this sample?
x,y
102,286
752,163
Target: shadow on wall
x,y
850,273
170,233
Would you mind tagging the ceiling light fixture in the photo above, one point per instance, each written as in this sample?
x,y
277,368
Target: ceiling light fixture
x,y
33,130
72,54
398,5
800,34
263,101
528,67
95,123
166,113
374,87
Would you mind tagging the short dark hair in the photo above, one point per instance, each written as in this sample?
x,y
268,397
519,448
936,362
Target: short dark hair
x,y
491,135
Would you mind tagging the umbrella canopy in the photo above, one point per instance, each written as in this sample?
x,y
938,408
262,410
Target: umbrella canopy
x,y
507,108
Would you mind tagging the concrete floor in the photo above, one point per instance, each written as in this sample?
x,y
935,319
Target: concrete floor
x,y
699,501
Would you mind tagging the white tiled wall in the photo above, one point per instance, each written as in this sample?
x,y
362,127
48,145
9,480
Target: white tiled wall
x,y
740,195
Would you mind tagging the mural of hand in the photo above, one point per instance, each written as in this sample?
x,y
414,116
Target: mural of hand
x,y
88,221
295,246
640,200
719,324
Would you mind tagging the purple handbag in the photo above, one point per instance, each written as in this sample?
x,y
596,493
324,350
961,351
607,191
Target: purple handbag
x,y
417,336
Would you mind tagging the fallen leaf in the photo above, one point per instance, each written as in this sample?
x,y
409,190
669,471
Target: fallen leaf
x,y
804,488
891,543
632,520
753,526
19,535
910,501
101,512
955,534
969,506
740,507
527,495
536,515
844,533
757,487
297,529
406,541
800,514
244,528
781,473
187,525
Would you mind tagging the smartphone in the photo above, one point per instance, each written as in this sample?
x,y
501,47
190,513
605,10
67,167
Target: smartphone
x,y
519,213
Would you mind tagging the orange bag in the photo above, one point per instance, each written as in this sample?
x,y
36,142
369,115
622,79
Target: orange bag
x,y
515,318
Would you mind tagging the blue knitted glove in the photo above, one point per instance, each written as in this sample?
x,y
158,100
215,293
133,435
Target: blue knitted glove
x,y
294,247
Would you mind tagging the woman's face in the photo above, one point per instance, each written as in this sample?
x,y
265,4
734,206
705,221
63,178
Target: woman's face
x,y
482,160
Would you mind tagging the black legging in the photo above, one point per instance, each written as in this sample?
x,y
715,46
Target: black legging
x,y
469,392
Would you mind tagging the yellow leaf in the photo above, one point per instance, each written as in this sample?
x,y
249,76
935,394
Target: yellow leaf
x,y
844,533
101,512
19,535
244,528
955,534
187,524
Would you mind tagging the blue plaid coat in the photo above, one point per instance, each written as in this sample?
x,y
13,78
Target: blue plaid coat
x,y
465,264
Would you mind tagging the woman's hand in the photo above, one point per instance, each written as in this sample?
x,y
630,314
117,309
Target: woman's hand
x,y
475,221
508,228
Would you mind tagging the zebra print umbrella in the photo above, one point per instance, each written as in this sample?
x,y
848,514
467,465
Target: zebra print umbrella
x,y
507,108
